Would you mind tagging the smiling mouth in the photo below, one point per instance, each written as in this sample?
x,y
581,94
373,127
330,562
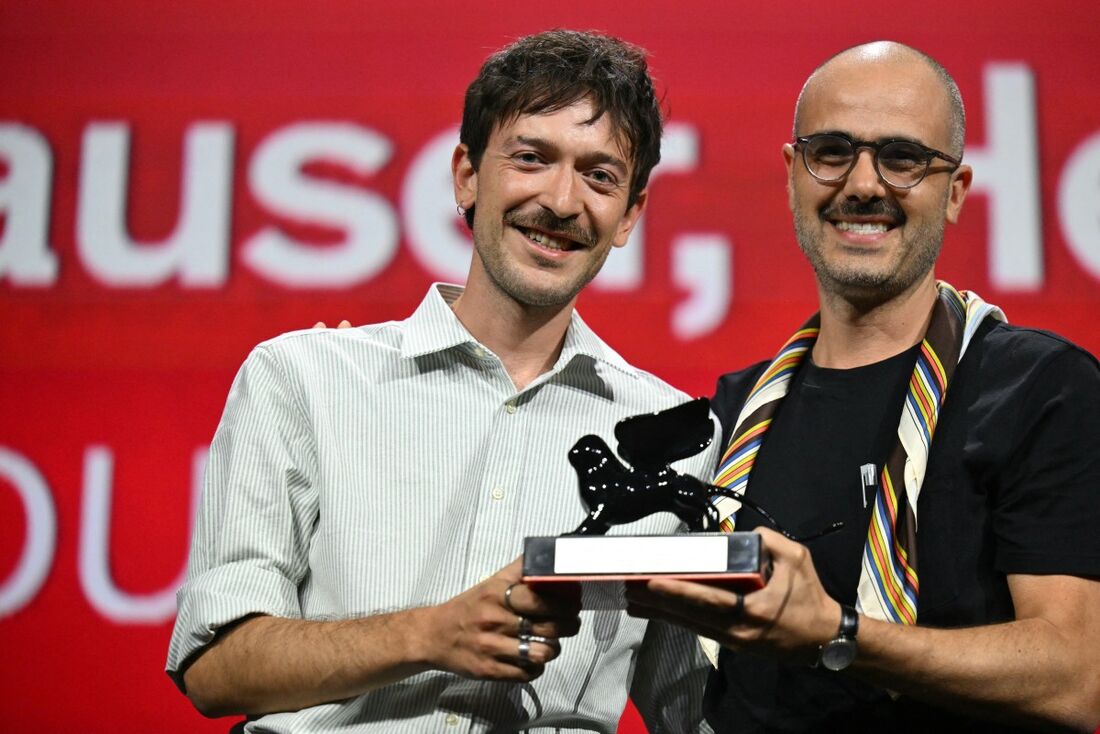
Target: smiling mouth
x,y
549,241
863,227
864,218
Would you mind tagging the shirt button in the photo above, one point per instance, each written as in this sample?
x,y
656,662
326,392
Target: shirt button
x,y
480,353
497,493
452,720
510,407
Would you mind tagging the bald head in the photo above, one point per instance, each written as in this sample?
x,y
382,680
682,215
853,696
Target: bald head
x,y
884,54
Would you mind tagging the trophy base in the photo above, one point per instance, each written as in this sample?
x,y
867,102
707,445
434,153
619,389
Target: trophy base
x,y
604,563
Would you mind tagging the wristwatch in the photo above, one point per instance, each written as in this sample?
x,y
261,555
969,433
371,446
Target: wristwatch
x,y
839,652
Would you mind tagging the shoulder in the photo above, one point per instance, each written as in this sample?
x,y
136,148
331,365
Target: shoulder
x,y
309,346
1018,387
1012,357
313,361
1026,342
635,389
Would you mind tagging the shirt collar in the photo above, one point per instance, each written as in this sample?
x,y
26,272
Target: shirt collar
x,y
433,327
581,341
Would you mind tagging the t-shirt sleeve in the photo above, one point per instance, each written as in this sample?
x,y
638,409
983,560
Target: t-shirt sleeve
x,y
1047,511
249,550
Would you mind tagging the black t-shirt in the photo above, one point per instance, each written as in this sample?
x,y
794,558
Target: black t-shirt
x,y
1012,486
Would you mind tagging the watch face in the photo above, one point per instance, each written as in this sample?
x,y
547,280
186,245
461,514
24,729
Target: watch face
x,y
838,654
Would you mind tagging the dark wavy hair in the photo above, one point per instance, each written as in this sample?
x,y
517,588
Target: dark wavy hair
x,y
552,70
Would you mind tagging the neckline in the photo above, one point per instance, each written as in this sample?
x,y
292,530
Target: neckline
x,y
883,368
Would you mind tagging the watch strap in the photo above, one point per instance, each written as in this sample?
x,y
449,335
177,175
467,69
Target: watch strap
x,y
849,622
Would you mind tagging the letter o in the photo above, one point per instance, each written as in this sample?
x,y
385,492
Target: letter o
x,y
41,538
1079,204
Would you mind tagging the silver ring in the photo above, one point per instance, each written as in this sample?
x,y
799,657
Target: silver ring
x,y
524,626
508,599
524,650
538,638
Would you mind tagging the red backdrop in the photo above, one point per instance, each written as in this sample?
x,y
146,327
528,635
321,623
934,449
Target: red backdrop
x,y
180,181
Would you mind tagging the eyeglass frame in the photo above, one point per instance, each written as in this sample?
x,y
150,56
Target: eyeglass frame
x,y
750,504
802,141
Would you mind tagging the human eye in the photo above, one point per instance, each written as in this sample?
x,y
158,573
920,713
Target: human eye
x,y
902,156
603,178
831,150
527,158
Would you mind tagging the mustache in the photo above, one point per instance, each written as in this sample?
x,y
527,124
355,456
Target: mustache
x,y
872,208
551,223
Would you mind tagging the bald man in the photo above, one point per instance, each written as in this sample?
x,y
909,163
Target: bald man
x,y
962,589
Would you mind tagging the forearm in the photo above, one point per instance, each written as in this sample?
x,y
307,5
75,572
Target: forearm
x,y
1025,671
267,664
1042,669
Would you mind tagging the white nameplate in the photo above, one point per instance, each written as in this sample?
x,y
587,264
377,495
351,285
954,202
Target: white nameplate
x,y
645,554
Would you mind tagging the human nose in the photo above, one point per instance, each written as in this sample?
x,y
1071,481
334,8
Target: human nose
x,y
561,194
863,181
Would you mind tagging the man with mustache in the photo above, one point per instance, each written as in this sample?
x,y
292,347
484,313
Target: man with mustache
x,y
367,488
960,453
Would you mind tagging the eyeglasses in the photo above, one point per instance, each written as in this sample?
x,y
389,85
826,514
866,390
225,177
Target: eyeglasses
x,y
902,164
759,510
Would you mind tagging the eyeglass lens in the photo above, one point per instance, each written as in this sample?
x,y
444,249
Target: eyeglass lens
x,y
899,163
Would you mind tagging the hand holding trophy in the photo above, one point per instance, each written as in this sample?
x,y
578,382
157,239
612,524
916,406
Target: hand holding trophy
x,y
616,494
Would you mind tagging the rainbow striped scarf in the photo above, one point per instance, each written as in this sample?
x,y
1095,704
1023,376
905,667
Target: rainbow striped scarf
x,y
889,582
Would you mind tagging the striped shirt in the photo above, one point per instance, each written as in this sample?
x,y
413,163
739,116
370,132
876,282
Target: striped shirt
x,y
362,471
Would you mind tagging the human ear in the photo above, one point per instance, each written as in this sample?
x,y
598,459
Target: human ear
x,y
788,162
464,176
961,179
629,219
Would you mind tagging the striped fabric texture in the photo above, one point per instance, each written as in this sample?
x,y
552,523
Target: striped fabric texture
x,y
889,581
369,470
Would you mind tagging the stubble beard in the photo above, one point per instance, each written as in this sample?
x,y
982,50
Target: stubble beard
x,y
509,278
867,287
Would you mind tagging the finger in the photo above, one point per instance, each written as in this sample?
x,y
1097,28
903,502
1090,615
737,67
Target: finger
x,y
320,325
535,650
546,628
776,544
567,593
502,585
525,651
567,627
562,625
545,649
506,669
676,593
546,600
700,607
510,574
561,600
344,324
